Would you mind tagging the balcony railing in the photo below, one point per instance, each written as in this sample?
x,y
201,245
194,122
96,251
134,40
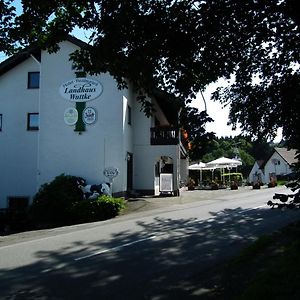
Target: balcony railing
x,y
164,136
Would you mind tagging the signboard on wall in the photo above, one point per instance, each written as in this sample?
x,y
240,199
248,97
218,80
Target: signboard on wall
x,y
166,182
71,116
81,89
89,115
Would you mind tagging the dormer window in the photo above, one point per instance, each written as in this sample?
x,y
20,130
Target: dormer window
x,y
33,80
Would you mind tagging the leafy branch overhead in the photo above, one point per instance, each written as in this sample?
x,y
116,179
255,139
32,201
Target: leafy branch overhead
x,y
180,47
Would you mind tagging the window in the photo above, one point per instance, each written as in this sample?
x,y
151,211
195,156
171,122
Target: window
x,y
129,115
32,121
0,122
33,80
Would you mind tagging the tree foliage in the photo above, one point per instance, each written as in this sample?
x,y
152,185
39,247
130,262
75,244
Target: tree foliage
x,y
239,147
181,46
7,15
193,122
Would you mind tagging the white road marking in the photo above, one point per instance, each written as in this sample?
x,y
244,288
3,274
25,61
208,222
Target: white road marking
x,y
60,266
115,248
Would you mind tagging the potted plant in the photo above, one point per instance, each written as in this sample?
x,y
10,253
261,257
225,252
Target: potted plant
x,y
256,185
191,184
272,183
214,185
233,185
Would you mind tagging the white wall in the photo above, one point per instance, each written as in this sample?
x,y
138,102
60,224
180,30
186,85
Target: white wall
x,y
61,150
29,159
18,147
146,155
145,159
184,171
255,173
281,168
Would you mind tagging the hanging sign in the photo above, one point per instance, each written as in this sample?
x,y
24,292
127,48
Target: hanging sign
x,y
71,116
81,89
89,115
111,172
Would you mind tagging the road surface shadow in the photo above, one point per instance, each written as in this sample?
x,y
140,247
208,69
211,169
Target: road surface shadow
x,y
167,259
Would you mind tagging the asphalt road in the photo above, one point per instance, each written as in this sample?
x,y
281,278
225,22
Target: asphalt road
x,y
160,250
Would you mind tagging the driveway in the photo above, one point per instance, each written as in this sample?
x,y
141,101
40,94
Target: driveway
x,y
148,203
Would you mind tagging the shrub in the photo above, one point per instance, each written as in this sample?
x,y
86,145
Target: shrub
x,y
105,207
272,184
214,186
60,202
191,183
233,185
256,185
53,202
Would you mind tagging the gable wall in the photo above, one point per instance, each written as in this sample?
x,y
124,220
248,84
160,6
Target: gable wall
x,y
62,150
18,147
281,167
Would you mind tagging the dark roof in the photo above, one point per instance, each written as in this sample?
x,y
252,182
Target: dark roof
x,y
25,53
260,163
18,58
169,104
288,155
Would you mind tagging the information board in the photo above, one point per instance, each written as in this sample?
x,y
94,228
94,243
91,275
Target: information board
x,y
166,182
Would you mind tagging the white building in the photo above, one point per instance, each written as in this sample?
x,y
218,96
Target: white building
x,y
257,173
280,163
40,138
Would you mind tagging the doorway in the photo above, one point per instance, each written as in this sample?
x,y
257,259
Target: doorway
x,y
129,158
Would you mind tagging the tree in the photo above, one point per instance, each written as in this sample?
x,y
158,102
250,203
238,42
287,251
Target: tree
x,y
226,146
7,15
199,139
181,46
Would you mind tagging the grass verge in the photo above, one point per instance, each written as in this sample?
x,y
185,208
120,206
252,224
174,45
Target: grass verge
x,y
268,269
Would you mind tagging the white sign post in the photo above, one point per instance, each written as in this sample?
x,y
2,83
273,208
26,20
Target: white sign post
x,y
111,173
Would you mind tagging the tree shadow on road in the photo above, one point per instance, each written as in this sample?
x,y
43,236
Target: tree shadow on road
x,y
167,259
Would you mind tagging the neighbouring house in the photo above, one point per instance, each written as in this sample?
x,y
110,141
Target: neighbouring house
x,y
280,163
257,174
56,121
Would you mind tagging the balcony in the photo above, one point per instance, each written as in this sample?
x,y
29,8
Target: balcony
x,y
164,136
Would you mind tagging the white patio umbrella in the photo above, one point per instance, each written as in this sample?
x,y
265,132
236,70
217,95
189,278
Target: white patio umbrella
x,y
200,166
224,162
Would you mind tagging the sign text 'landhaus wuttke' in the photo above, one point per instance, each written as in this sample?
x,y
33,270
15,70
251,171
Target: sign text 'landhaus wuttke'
x,y
81,89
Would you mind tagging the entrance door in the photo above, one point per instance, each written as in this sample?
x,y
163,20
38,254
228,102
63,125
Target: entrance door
x,y
129,172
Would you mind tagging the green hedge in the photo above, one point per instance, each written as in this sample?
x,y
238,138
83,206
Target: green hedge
x,y
105,207
60,202
53,202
